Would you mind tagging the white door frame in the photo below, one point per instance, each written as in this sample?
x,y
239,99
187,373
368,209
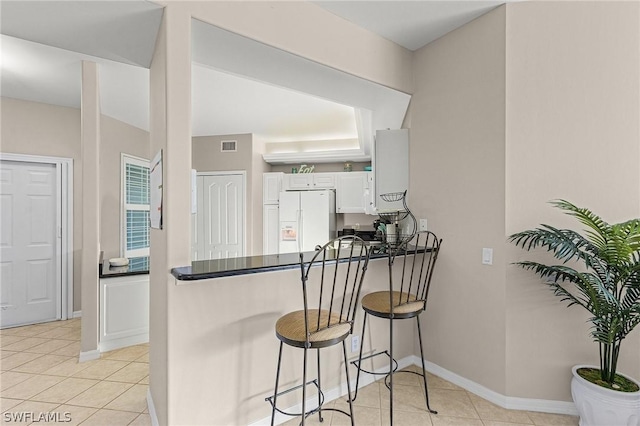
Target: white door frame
x,y
64,220
244,204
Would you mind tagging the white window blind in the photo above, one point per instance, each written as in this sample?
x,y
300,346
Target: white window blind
x,y
135,206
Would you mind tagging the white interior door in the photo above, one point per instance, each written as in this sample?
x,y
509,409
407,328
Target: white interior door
x,y
219,227
31,285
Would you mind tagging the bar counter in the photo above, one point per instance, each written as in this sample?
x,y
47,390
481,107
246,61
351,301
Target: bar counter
x,y
216,268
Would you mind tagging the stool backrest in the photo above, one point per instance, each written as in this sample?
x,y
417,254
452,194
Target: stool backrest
x,y
417,260
336,273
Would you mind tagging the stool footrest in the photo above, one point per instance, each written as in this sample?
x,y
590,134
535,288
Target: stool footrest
x,y
306,414
356,363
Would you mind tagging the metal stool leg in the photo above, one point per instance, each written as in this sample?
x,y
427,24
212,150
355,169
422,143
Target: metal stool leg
x,y
319,390
304,387
346,371
391,371
275,393
424,371
364,323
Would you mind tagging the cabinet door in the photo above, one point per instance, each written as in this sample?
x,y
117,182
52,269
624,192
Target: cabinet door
x,y
124,311
271,187
324,180
270,229
297,181
351,192
391,165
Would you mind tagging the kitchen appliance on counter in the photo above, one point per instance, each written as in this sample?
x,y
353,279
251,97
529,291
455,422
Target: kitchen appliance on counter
x,y
306,219
365,235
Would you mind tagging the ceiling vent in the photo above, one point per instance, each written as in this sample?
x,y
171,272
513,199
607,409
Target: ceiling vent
x,y
229,146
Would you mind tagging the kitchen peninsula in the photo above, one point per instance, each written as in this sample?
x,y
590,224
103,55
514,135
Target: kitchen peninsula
x,y
223,336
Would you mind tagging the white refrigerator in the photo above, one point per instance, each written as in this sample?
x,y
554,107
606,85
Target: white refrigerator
x,y
307,219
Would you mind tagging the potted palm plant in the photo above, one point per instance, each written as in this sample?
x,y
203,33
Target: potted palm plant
x,y
600,272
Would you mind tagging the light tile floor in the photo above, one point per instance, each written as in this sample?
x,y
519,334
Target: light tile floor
x,y
455,406
41,374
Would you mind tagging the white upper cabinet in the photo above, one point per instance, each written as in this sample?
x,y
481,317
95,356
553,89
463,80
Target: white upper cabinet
x,y
390,165
309,181
271,187
352,192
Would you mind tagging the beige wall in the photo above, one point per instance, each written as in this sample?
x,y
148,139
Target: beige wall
x,y
206,155
90,143
259,166
309,31
39,129
170,123
116,138
457,182
573,132
508,115
298,27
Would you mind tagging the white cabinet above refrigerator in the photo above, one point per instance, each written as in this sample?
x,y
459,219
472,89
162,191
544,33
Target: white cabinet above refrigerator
x,y
308,181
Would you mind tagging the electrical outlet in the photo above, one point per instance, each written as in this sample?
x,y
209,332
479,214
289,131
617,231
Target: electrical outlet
x,y
355,343
487,256
423,225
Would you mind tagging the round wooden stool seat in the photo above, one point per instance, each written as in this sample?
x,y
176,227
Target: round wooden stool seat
x,y
404,305
290,328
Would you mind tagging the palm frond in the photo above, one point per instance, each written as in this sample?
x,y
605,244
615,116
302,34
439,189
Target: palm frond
x,y
599,228
608,282
564,244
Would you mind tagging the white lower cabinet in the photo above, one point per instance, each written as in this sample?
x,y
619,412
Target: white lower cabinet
x,y
124,311
270,224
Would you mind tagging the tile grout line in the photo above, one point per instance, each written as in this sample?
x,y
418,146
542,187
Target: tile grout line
x,y
64,377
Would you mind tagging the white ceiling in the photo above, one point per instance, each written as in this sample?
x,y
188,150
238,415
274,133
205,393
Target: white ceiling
x,y
41,73
123,31
413,23
43,43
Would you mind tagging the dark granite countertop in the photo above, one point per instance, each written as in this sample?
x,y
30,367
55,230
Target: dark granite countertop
x,y
136,266
216,268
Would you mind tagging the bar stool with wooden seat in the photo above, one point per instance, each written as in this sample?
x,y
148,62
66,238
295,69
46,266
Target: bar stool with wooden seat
x,y
331,282
405,299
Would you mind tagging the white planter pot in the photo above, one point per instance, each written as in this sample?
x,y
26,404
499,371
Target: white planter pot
x,y
600,406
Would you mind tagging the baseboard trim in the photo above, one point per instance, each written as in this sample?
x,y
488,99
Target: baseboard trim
x,y
508,402
331,394
152,409
89,355
77,314
123,342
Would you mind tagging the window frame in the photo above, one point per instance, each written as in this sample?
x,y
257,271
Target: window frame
x,y
124,207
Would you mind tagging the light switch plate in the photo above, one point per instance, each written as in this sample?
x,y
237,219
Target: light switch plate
x,y
423,225
487,256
